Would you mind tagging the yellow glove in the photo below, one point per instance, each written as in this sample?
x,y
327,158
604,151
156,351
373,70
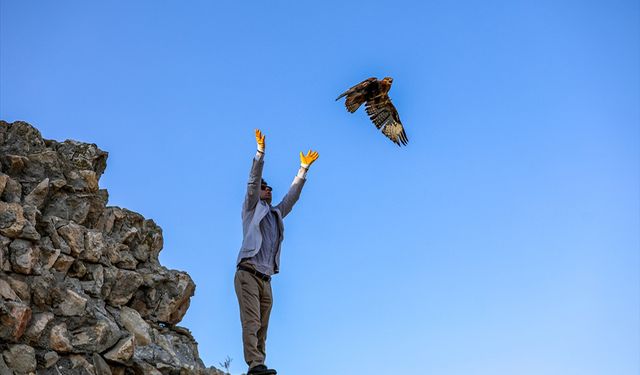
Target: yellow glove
x,y
308,159
260,140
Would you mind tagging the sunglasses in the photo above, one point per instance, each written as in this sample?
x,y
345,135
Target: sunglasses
x,y
266,187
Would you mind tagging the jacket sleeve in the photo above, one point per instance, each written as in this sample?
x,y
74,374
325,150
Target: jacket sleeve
x,y
253,186
292,196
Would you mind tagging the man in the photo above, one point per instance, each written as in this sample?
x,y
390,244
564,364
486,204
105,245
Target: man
x,y
259,256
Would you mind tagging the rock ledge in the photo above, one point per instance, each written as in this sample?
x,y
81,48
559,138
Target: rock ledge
x,y
81,287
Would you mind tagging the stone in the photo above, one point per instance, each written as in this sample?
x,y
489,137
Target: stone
x,y
3,182
131,320
19,285
73,235
48,256
93,246
122,351
57,183
52,232
43,164
112,253
141,252
59,339
63,263
93,286
14,164
5,265
97,274
153,239
169,303
101,367
83,180
42,288
81,156
164,367
78,270
20,138
30,213
12,192
21,358
90,178
6,292
178,343
12,219
4,369
142,367
127,236
73,304
110,279
82,364
127,261
127,284
68,283
38,195
81,208
23,256
29,232
108,218
14,317
175,305
152,353
96,338
50,359
37,326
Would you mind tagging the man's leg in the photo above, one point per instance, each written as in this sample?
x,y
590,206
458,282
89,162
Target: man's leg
x,y
248,293
266,301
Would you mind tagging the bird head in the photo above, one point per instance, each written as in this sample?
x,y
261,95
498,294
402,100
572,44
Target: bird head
x,y
388,80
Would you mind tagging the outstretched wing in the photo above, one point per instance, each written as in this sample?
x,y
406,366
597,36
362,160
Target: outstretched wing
x,y
385,117
360,87
356,95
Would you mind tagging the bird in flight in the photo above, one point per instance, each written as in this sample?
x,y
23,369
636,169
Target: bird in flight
x,y
383,114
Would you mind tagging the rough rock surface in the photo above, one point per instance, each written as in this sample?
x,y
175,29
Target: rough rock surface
x,y
81,287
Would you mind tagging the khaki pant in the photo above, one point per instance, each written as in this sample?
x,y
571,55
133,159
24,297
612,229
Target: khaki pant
x,y
255,300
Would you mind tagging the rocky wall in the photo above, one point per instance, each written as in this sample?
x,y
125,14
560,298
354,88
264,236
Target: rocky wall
x,y
81,287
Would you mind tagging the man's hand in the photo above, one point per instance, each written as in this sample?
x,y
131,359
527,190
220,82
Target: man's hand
x,y
260,140
308,159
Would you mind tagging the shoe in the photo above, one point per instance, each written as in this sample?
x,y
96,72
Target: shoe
x,y
261,370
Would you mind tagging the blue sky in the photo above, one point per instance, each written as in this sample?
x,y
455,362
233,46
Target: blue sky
x,y
503,240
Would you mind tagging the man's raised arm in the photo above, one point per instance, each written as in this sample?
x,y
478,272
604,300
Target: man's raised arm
x,y
255,176
298,182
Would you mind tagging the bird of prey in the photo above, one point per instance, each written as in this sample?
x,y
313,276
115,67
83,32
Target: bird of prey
x,y
383,114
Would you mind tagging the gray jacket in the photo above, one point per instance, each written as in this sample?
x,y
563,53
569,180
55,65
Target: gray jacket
x,y
254,210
